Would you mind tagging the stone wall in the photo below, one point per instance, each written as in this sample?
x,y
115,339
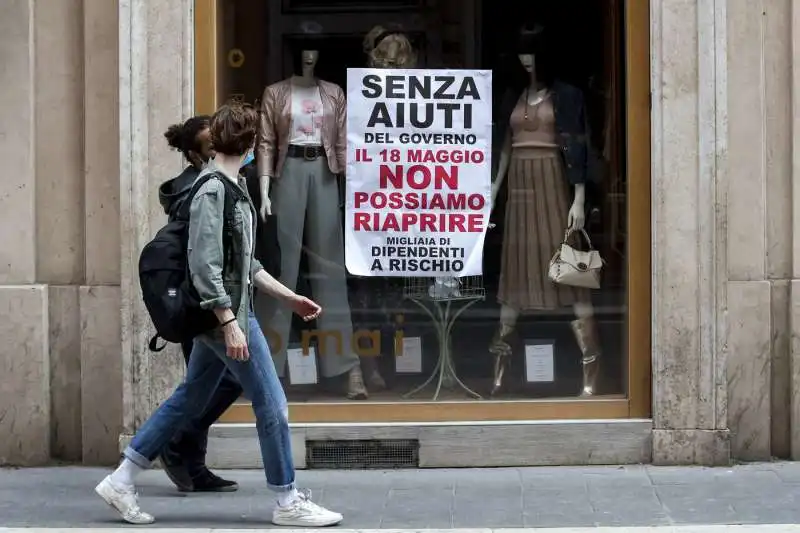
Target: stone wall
x,y
59,224
725,373
89,86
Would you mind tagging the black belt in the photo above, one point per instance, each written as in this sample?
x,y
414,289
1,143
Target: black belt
x,y
309,153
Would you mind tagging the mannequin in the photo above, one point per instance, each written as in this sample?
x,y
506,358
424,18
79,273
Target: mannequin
x,y
301,148
389,48
385,47
546,158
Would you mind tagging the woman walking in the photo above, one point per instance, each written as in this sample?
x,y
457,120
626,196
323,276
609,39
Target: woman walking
x,y
237,343
184,458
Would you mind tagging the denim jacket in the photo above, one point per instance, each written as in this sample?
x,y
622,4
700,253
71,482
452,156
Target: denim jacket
x,y
581,162
220,284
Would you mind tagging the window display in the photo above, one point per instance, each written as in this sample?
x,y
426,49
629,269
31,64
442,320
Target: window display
x,y
546,316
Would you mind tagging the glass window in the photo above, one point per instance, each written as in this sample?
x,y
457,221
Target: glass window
x,y
559,97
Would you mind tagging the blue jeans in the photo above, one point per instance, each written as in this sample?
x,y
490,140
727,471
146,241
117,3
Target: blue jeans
x,y
206,369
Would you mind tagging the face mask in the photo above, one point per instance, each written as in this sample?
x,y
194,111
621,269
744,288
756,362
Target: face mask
x,y
248,159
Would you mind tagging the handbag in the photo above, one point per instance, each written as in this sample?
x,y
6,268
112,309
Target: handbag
x,y
576,268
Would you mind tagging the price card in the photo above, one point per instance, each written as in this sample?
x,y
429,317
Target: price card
x,y
302,366
410,360
539,361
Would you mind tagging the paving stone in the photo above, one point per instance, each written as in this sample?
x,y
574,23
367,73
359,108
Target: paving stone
x,y
420,507
553,497
477,507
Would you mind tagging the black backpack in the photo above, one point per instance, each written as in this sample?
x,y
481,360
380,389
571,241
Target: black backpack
x,y
167,290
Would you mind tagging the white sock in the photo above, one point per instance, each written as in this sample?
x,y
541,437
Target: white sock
x,y
125,473
285,499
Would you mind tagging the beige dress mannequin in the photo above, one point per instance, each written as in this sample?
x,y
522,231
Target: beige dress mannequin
x,y
539,208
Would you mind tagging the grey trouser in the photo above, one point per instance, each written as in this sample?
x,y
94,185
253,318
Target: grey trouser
x,y
305,201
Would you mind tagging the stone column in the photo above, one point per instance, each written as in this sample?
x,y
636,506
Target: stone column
x,y
25,399
689,120
794,292
155,90
722,211
99,294
59,265
759,213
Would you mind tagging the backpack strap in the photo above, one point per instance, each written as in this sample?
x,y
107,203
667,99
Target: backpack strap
x,y
186,206
233,194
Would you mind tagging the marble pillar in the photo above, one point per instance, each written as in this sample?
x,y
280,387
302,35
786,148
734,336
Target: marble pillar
x,y
794,286
689,120
25,409
723,271
59,226
155,90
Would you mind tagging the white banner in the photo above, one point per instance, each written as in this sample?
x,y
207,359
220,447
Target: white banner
x,y
418,171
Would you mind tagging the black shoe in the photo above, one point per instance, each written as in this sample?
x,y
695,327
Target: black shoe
x,y
208,481
176,471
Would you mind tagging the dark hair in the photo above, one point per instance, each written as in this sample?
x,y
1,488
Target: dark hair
x,y
183,137
533,39
233,128
530,39
297,46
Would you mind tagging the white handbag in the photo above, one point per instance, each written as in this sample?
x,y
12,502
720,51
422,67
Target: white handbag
x,y
576,268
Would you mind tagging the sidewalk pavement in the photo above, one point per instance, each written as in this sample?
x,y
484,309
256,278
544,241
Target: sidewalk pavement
x,y
679,499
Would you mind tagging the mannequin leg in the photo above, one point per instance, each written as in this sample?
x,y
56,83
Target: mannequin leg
x,y
585,329
328,281
289,205
500,347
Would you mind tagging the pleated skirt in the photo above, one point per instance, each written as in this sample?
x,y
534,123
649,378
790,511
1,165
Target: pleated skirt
x,y
537,208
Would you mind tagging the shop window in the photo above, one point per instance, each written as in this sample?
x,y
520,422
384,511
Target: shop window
x,y
522,338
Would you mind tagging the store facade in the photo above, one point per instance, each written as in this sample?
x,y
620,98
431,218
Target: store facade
x,y
690,106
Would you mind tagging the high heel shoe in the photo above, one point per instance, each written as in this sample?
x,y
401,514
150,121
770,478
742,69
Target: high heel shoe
x,y
585,330
501,349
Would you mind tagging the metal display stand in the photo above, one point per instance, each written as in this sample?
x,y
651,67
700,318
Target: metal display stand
x,y
444,299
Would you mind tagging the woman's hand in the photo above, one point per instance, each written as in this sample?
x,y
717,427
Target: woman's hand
x,y
307,309
235,342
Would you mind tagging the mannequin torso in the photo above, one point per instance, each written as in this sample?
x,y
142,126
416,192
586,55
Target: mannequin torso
x,y
280,122
307,113
536,94
532,122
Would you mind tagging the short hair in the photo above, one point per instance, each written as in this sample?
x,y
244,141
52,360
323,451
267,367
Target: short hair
x,y
183,137
233,128
297,46
377,40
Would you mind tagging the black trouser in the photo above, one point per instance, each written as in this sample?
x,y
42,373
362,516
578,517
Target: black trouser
x,y
191,444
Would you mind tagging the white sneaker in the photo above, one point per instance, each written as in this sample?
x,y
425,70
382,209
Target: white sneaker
x,y
304,513
124,500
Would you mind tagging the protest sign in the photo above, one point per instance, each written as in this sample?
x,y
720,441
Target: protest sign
x,y
418,194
